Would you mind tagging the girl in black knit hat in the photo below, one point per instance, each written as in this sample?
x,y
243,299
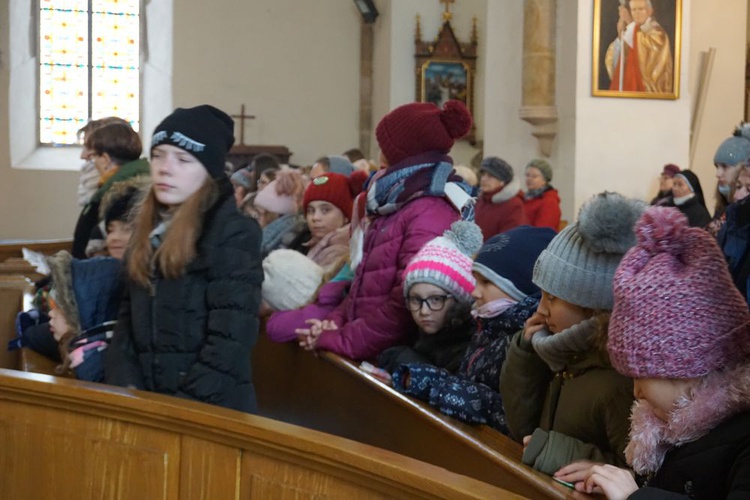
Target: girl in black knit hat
x,y
189,316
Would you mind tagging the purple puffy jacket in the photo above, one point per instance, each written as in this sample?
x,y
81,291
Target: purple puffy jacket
x,y
373,316
281,325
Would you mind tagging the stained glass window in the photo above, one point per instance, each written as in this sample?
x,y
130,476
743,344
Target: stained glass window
x,y
88,65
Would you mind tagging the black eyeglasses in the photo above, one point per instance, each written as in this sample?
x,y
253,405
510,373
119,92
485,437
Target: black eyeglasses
x,y
434,302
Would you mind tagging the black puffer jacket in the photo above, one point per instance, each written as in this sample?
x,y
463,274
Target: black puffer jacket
x,y
192,338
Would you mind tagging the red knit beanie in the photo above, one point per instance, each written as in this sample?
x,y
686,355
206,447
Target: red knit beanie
x,y
421,127
333,188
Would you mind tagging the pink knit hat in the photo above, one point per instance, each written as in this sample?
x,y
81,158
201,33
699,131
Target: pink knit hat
x,y
283,195
446,261
677,313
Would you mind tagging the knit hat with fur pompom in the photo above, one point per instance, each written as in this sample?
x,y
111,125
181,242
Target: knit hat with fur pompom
x,y
290,279
446,261
421,127
579,263
736,149
677,313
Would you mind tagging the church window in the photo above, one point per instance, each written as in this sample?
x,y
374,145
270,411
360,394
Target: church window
x,y
89,65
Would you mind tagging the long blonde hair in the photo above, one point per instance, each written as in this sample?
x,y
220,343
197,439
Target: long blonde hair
x,y
178,247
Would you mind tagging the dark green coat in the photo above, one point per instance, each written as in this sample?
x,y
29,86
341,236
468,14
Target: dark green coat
x,y
579,413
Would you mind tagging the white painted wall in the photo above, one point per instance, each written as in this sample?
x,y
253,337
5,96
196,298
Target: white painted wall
x,y
724,107
298,71
295,67
394,55
621,144
505,134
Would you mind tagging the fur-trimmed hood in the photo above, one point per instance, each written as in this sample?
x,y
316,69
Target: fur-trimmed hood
x,y
62,288
720,396
507,192
86,291
135,187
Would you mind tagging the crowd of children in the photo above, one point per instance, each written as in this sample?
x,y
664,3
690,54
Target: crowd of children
x,y
549,338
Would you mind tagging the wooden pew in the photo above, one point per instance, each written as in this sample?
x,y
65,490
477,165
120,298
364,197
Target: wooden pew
x,y
14,297
329,393
68,439
12,248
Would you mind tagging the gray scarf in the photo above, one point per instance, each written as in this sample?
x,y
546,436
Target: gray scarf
x,y
557,349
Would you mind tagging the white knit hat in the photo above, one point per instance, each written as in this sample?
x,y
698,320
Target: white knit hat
x,y
291,279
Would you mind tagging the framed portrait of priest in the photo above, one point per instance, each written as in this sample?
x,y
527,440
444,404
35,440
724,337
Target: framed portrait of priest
x,y
636,48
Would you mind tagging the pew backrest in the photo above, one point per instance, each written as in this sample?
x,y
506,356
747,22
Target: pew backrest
x,y
329,393
64,438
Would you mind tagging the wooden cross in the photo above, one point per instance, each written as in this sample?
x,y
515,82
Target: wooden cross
x,y
447,14
242,116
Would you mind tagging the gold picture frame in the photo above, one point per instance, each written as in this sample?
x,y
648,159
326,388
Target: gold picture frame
x,y
446,68
655,25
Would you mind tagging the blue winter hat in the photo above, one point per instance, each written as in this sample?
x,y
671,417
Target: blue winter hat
x,y
340,165
736,149
507,259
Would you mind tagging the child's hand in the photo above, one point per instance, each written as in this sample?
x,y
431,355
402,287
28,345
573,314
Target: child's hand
x,y
575,472
535,323
615,483
308,337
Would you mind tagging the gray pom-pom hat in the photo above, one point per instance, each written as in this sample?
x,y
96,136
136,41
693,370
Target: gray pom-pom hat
x,y
446,261
579,264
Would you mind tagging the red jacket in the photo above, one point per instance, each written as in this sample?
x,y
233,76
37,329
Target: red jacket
x,y
498,212
544,210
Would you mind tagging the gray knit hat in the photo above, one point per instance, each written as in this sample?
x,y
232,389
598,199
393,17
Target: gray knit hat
x,y
543,167
580,262
498,168
736,149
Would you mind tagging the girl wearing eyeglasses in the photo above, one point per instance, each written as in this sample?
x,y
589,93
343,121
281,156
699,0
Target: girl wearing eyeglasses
x,y
437,289
505,298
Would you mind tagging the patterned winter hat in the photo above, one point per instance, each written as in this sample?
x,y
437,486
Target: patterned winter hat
x,y
579,263
290,279
736,149
204,131
421,127
446,261
677,313
507,259
333,188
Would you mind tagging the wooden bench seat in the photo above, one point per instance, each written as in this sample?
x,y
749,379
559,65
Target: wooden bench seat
x,y
330,393
69,439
